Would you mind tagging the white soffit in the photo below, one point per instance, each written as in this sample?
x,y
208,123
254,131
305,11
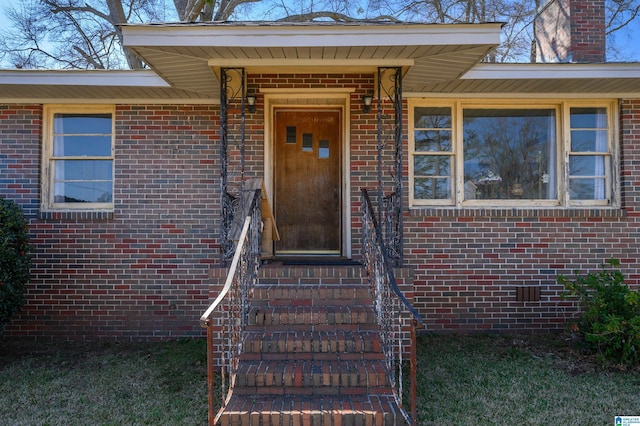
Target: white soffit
x,y
94,85
189,55
606,79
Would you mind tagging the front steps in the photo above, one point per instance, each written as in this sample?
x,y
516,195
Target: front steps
x,y
312,354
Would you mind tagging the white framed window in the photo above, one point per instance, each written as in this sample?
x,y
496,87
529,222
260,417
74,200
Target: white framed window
x,y
433,159
499,154
78,158
589,153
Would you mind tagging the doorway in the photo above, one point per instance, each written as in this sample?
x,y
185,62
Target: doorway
x,y
307,187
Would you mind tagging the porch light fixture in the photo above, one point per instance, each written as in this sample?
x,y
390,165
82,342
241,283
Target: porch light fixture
x,y
251,103
366,100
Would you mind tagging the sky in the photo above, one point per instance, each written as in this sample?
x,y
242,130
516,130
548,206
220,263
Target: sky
x,y
627,41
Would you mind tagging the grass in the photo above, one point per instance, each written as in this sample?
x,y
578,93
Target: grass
x,y
462,380
104,384
489,380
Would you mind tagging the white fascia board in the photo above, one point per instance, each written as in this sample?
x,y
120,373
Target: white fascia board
x,y
82,78
520,95
552,71
110,101
312,36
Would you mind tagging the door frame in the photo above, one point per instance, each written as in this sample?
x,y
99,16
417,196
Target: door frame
x,y
339,99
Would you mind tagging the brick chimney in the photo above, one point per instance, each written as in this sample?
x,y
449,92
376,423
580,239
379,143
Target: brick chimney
x,y
570,31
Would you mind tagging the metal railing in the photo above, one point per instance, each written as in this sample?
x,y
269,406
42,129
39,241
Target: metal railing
x,y
392,228
391,308
233,301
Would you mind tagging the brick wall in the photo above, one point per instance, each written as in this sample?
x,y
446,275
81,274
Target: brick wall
x,y
145,271
141,272
20,127
571,31
469,264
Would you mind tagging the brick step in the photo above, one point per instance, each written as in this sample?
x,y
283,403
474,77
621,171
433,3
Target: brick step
x,y
290,410
311,374
312,315
311,275
305,341
311,295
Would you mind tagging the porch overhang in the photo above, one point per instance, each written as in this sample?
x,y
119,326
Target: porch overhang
x,y
610,80
95,86
437,60
189,56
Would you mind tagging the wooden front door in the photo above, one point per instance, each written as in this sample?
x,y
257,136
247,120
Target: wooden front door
x,y
307,194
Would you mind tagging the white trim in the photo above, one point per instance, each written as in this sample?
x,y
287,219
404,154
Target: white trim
x,y
255,35
562,130
114,101
278,98
520,95
507,72
311,62
106,78
321,92
47,204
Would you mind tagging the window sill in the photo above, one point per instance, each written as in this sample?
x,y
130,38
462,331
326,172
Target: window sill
x,y
76,215
558,212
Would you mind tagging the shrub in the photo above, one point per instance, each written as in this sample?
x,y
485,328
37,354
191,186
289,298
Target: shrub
x,y
14,260
610,318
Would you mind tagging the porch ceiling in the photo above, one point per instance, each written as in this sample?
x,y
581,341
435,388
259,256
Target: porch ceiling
x,y
189,56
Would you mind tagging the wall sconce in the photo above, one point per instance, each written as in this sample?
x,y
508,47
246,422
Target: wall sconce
x,y
251,103
366,101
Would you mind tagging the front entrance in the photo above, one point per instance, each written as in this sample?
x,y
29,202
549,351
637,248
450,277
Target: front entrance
x,y
307,196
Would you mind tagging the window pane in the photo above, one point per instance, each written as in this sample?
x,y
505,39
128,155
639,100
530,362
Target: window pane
x,y
83,170
323,149
307,142
432,188
86,124
589,140
586,165
432,118
587,189
588,118
510,153
83,192
291,135
78,146
432,165
433,140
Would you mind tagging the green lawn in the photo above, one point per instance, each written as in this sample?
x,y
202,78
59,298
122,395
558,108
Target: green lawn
x,y
470,380
485,380
104,384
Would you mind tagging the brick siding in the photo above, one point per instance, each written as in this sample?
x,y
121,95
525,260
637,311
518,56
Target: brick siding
x,y
146,270
141,272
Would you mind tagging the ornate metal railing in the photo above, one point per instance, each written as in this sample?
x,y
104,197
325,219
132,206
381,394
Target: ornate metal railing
x,y
392,228
233,87
390,136
234,301
395,314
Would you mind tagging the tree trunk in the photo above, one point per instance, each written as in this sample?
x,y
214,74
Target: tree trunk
x,y
117,17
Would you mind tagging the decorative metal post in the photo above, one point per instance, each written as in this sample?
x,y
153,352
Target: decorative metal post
x,y
390,88
232,91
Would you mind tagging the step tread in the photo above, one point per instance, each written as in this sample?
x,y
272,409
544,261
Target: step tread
x,y
312,373
337,341
367,410
312,292
325,314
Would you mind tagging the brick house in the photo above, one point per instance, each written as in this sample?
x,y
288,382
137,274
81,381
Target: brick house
x,y
510,173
